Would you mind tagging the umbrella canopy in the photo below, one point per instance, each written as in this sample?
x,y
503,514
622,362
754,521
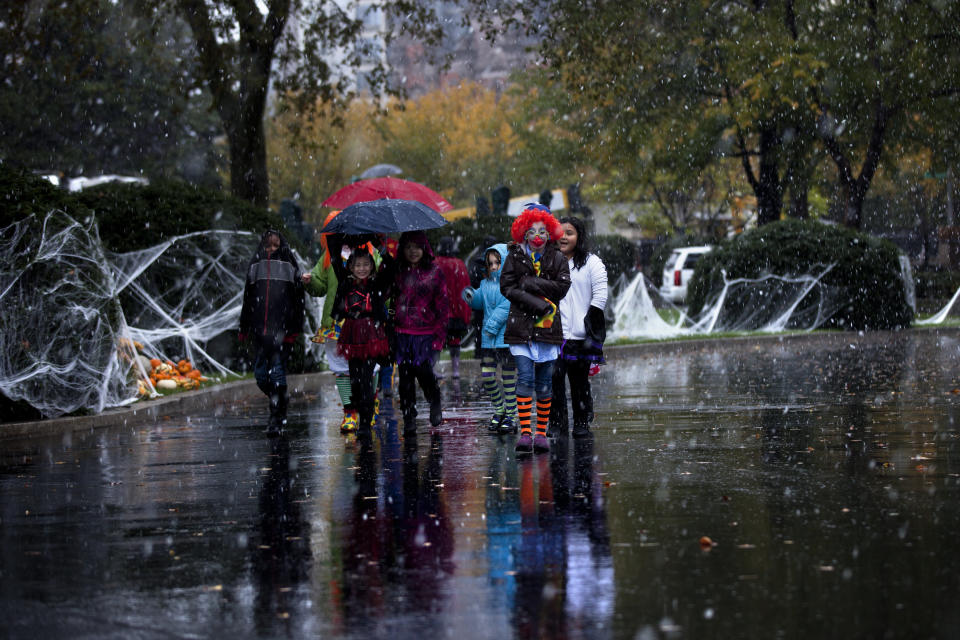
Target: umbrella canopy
x,y
381,170
384,216
394,188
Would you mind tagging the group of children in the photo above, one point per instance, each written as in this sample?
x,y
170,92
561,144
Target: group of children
x,y
542,304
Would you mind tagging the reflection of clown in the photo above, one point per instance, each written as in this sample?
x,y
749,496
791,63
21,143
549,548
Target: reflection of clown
x,y
534,278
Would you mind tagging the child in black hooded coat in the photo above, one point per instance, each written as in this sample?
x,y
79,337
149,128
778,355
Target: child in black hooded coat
x,y
272,316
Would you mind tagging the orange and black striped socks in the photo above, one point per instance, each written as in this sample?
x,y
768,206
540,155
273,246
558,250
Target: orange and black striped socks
x,y
543,415
524,409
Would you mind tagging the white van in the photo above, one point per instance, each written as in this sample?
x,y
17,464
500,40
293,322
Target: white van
x,y
678,270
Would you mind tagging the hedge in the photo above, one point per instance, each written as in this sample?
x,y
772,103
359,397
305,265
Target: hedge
x,y
866,272
132,217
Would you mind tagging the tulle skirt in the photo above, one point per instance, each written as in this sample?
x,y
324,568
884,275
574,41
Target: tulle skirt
x,y
415,350
363,338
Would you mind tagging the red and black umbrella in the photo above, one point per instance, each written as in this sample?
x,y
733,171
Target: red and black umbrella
x,y
390,188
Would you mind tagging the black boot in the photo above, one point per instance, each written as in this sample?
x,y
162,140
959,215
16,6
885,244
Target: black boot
x,y
364,422
559,423
581,429
436,412
278,410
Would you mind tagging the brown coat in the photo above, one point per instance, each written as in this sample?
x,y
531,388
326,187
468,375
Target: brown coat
x,y
526,292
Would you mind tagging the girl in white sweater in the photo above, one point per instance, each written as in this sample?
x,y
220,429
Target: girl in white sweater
x,y
581,313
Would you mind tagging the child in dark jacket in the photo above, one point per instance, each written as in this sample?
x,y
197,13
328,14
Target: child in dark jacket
x,y
360,302
272,316
420,322
534,278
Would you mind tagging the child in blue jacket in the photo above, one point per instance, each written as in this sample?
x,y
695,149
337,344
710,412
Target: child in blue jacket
x,y
493,350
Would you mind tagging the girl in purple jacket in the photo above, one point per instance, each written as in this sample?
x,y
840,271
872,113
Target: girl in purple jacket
x,y
421,311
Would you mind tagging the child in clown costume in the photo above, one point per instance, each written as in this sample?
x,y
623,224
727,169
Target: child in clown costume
x,y
534,278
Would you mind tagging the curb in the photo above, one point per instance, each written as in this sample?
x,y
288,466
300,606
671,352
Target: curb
x,y
244,391
230,393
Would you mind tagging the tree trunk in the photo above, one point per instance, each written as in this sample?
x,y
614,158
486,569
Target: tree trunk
x,y
855,188
797,180
238,74
768,189
249,179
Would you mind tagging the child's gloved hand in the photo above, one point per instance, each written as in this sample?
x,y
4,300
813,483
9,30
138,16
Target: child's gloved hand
x,y
467,294
546,320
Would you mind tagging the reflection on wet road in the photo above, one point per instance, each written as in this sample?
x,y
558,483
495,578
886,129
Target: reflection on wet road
x,y
824,471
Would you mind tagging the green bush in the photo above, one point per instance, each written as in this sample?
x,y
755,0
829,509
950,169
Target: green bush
x,y
132,217
936,284
619,254
866,272
25,194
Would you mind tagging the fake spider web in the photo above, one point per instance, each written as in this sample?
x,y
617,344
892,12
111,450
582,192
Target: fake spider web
x,y
73,312
769,303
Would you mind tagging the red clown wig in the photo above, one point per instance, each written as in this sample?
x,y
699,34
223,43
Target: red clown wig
x,y
533,212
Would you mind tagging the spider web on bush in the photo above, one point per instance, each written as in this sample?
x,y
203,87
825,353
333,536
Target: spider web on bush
x,y
72,311
768,303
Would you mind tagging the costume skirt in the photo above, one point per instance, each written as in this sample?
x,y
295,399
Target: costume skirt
x,y
415,350
363,338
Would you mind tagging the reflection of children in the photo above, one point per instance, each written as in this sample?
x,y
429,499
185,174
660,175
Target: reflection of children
x,y
493,350
584,330
361,297
272,315
455,273
534,278
421,311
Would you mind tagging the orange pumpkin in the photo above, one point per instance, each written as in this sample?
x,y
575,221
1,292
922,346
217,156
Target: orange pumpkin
x,y
194,374
155,362
184,366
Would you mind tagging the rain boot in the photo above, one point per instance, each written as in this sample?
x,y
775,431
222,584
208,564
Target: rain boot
x,y
278,410
559,422
349,422
364,420
581,429
274,425
436,412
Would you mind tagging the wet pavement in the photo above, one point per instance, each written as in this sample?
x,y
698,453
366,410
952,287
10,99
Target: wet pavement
x,y
774,488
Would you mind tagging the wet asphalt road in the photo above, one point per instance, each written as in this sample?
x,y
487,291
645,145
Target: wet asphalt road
x,y
825,472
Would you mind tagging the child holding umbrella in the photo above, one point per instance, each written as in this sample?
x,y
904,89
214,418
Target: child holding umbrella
x,y
420,306
535,277
360,303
